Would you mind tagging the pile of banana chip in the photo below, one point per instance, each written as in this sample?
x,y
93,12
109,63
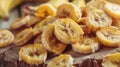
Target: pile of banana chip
x,y
54,25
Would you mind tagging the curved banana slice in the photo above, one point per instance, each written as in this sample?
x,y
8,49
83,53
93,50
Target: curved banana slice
x,y
50,42
96,4
109,36
63,60
45,10
24,21
111,60
86,45
22,37
33,54
67,30
97,19
113,10
69,10
6,38
38,28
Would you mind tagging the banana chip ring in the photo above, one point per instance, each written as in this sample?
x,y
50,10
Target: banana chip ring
x,y
67,30
98,18
50,42
6,38
113,10
33,54
24,36
69,10
111,60
86,45
38,28
45,10
63,60
109,36
27,21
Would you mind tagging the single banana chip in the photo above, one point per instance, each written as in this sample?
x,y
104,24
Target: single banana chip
x,y
69,10
18,23
38,28
31,20
111,60
45,10
62,60
6,38
86,45
109,36
67,30
50,42
96,4
27,21
113,10
98,18
33,54
24,36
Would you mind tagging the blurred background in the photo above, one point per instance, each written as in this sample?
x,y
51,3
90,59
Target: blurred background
x,y
12,9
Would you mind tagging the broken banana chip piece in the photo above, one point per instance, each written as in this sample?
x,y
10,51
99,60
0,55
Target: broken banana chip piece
x,y
109,36
113,10
111,60
50,42
6,38
98,18
33,54
86,45
69,10
45,10
24,36
38,39
67,30
27,21
38,28
62,60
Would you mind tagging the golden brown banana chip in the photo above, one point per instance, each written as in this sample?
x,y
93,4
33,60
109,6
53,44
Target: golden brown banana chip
x,y
50,42
111,60
6,38
62,60
27,21
69,10
45,10
38,28
86,45
33,54
113,10
98,18
24,36
109,36
19,22
67,30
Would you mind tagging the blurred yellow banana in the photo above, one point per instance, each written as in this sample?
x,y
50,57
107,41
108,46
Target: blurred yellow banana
x,y
7,5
